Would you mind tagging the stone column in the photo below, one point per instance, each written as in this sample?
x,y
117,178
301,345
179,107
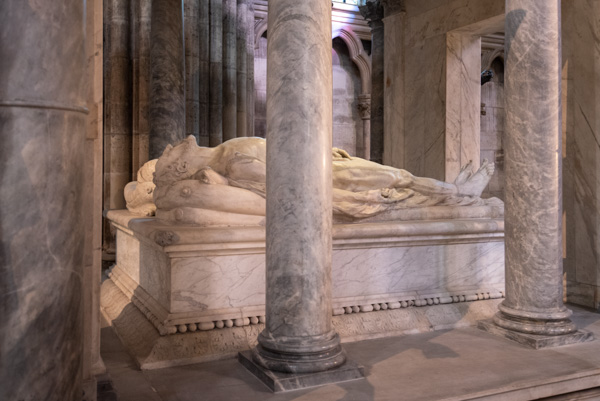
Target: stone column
x,y
167,99
191,24
242,66
215,122
43,127
372,11
140,41
299,337
229,69
533,312
250,71
203,77
364,109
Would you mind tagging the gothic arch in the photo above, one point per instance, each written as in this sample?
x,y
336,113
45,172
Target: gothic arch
x,y
358,55
260,27
488,58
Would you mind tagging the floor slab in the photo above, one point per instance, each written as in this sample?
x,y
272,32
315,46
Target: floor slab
x,y
452,365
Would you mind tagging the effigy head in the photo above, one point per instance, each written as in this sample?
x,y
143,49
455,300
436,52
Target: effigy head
x,y
179,162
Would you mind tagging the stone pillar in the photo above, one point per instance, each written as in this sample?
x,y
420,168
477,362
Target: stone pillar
x,y
533,312
43,128
229,69
191,25
242,66
299,337
372,11
364,109
250,71
141,14
203,77
215,122
167,99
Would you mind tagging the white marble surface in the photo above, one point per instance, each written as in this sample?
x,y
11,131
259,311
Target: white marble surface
x,y
534,274
581,149
195,274
463,94
423,50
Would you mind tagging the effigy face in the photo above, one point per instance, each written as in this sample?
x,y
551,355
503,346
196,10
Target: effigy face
x,y
225,186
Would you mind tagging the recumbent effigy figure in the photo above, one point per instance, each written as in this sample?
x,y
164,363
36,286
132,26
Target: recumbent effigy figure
x,y
225,185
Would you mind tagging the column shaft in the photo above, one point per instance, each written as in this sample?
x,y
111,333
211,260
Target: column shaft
x,y
191,13
533,202
215,122
140,40
242,66
204,73
42,126
229,69
372,11
298,336
250,69
364,109
167,99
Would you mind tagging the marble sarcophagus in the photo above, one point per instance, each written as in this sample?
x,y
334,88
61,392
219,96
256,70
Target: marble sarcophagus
x,y
181,293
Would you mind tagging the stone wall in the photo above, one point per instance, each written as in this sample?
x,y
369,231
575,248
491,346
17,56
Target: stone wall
x,y
416,126
581,150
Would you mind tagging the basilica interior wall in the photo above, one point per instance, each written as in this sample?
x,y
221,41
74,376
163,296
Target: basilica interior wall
x,y
581,150
419,37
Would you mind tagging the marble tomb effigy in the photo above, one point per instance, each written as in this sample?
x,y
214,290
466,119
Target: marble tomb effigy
x,y
189,280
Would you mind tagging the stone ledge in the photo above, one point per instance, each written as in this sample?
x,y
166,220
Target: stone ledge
x,y
536,341
280,382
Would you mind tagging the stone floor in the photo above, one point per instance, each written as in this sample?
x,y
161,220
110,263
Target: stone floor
x,y
459,364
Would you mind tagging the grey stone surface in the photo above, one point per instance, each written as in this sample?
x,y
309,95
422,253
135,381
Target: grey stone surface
x,y
536,341
280,382
43,128
241,33
250,70
533,215
298,238
215,89
193,35
203,76
167,101
450,365
373,12
229,69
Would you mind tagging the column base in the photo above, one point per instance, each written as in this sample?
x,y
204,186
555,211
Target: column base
x,y
299,354
280,382
536,341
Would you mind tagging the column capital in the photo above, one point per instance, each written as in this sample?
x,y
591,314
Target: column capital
x,y
364,106
372,11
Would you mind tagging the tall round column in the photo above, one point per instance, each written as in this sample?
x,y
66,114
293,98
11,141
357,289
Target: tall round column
x,y
298,336
43,120
372,11
229,69
167,101
533,230
215,89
